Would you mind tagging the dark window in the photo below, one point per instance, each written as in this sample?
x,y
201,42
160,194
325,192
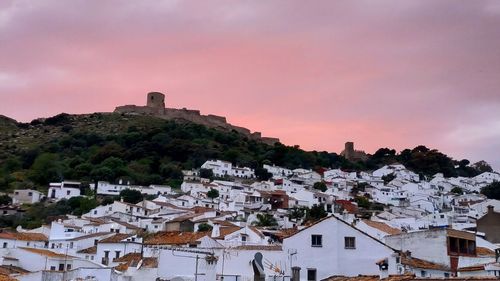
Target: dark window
x,y
316,240
61,266
453,245
5,244
350,242
311,274
117,254
30,193
53,268
68,192
68,267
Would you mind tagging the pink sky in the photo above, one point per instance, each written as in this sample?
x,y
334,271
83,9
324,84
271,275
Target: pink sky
x,y
380,73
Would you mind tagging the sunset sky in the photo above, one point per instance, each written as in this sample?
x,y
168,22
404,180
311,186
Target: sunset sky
x,y
314,73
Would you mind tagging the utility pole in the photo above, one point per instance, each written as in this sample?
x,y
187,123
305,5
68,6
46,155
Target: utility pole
x,y
196,270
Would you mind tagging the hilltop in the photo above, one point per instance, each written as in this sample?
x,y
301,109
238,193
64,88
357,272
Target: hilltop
x,y
148,149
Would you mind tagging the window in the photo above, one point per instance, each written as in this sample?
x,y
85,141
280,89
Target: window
x,y
61,266
4,244
446,275
316,240
311,274
68,267
350,242
117,254
30,194
71,245
423,273
53,268
68,192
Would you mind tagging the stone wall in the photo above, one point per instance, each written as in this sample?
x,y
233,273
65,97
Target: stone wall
x,y
211,121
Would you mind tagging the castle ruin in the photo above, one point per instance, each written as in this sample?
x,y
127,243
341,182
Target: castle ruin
x,y
353,155
155,106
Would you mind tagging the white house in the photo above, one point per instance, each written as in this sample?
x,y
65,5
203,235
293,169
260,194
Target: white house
x,y
219,168
331,246
64,190
26,196
277,171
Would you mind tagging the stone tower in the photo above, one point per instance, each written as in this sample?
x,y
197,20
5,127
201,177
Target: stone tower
x,y
156,100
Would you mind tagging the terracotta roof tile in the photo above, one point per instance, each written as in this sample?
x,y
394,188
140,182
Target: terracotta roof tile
x,y
7,278
259,248
23,236
471,268
9,269
286,232
117,238
133,259
406,277
46,253
481,251
382,227
419,263
224,231
175,238
91,250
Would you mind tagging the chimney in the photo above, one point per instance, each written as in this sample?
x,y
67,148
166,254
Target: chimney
x,y
215,230
491,209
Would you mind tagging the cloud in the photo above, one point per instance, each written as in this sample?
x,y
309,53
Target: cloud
x,y
390,73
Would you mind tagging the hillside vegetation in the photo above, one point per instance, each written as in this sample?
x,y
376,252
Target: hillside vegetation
x,y
146,150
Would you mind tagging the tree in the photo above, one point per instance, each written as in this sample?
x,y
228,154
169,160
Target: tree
x,y
320,186
81,205
131,196
457,190
206,174
492,191
203,227
316,212
296,213
363,202
46,168
388,178
482,166
262,174
5,200
212,194
265,220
